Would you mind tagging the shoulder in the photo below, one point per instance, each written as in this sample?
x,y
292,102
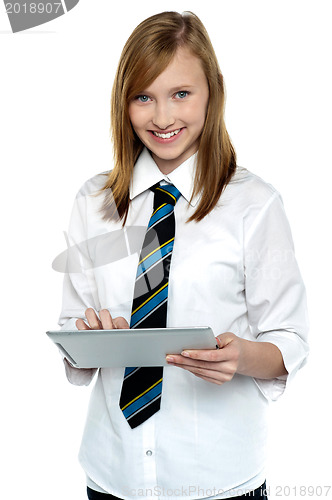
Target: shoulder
x,y
86,211
251,187
92,186
248,193
257,203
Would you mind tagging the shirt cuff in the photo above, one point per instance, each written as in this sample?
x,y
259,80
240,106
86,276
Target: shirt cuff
x,y
294,351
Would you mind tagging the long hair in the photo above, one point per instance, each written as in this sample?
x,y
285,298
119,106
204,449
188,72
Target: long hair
x,y
146,54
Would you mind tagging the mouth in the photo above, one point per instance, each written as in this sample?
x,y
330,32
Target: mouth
x,y
168,135
165,136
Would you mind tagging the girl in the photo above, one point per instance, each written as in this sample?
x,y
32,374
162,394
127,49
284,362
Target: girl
x,y
230,265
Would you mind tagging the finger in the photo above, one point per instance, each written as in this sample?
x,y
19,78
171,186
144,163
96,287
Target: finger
x,y
223,371
218,377
106,319
121,323
178,359
191,364
81,325
218,355
209,375
224,338
208,379
210,355
93,319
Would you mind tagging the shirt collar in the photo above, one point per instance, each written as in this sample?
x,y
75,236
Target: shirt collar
x,y
146,174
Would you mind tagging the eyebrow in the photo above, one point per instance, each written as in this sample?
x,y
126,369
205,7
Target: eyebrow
x,y
180,87
173,89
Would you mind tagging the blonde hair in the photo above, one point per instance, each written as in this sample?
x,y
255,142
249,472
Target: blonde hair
x,y
146,54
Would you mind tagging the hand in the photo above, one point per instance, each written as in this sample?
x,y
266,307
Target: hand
x,y
103,322
218,365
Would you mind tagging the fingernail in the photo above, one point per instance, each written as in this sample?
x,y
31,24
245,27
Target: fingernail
x,y
169,359
186,354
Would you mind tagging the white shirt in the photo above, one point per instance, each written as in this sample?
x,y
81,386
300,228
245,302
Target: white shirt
x,y
234,271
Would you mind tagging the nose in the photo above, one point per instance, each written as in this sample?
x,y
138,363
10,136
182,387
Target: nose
x,y
163,115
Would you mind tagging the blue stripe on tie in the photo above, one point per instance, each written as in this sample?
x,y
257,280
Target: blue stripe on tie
x,y
149,306
171,189
166,209
159,254
129,369
136,405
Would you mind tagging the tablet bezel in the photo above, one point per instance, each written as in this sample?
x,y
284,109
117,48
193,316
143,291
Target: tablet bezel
x,y
132,347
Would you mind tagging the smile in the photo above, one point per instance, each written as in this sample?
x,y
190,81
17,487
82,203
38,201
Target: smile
x,y
166,136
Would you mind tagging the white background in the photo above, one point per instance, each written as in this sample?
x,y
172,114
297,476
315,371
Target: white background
x,y
54,116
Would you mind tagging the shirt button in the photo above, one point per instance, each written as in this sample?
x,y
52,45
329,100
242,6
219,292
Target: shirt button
x,y
149,453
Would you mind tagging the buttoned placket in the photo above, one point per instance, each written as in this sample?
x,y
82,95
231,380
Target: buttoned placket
x,y
149,458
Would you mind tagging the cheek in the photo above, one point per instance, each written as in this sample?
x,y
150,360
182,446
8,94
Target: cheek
x,y
136,116
197,114
198,121
132,115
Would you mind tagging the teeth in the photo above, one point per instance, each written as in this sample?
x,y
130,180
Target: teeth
x,y
168,135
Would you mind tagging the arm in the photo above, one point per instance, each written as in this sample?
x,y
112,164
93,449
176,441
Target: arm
x,y
276,305
235,355
260,360
89,246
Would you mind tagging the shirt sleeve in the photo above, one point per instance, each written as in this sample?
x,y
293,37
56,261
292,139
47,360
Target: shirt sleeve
x,y
79,287
275,293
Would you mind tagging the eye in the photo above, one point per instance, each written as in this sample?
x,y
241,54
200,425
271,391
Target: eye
x,y
182,94
142,98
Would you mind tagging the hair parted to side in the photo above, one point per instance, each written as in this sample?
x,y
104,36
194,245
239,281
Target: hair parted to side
x,y
146,54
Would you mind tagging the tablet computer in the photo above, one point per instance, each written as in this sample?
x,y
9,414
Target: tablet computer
x,y
132,347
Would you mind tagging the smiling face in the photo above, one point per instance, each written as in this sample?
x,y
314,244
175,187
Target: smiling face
x,y
169,115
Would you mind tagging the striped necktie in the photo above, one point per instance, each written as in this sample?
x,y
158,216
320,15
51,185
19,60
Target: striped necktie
x,y
141,390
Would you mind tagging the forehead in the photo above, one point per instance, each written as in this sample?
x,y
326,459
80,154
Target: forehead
x,y
184,69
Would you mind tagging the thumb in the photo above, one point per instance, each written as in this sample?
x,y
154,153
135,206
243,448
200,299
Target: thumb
x,y
224,339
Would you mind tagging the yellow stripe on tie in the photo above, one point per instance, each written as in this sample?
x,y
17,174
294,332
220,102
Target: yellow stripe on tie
x,y
161,206
165,191
151,297
155,250
147,390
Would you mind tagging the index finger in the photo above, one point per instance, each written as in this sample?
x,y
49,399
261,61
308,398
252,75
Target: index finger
x,y
106,319
215,355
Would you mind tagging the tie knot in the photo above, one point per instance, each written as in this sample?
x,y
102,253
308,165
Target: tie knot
x,y
165,194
